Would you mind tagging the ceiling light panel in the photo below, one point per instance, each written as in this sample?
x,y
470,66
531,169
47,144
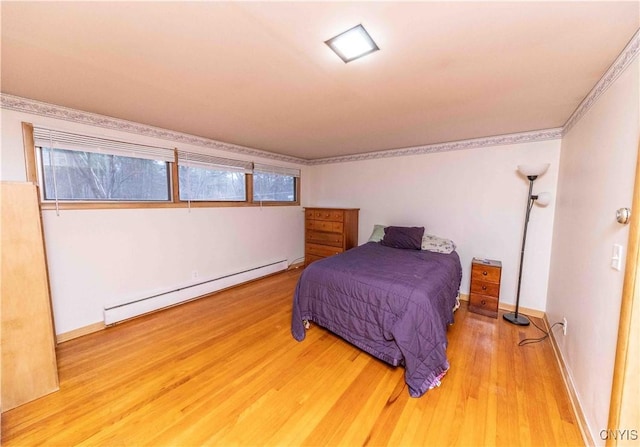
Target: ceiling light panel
x,y
352,44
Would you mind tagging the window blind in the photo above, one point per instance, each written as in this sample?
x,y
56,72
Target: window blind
x,y
196,160
269,169
56,139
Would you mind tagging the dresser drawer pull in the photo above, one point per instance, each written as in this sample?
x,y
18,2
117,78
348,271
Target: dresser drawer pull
x,y
484,287
483,302
484,273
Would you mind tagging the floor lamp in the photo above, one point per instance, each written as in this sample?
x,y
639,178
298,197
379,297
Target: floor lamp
x,y
532,172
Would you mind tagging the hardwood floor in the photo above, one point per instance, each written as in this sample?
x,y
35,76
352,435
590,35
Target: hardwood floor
x,y
224,370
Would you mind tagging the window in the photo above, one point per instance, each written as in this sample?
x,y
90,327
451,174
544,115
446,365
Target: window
x,y
208,178
274,184
76,171
81,168
88,176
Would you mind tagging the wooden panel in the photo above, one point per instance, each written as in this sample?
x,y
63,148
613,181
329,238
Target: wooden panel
x,y
320,225
333,239
29,148
351,229
322,250
485,273
29,367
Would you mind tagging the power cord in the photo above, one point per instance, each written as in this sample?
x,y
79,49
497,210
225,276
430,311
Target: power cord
x,y
295,261
528,341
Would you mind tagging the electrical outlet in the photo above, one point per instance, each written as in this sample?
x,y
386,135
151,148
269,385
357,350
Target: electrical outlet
x,y
194,274
564,326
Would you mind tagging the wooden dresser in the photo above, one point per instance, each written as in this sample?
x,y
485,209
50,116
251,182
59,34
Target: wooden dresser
x,y
329,231
484,295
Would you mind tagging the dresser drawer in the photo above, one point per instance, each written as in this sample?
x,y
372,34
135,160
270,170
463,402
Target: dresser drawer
x,y
485,273
333,239
308,259
322,250
329,215
482,304
320,225
485,288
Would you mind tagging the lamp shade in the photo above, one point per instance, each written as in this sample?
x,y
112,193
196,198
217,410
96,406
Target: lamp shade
x,y
544,199
533,170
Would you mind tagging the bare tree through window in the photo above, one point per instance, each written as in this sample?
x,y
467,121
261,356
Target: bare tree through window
x,y
273,187
77,175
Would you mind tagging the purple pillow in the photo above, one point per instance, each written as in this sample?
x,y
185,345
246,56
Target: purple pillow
x,y
403,237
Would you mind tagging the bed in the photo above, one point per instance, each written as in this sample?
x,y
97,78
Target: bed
x,y
392,303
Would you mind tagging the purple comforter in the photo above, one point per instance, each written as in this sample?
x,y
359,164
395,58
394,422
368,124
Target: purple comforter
x,y
394,304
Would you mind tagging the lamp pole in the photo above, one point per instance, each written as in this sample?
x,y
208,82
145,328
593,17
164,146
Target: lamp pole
x,y
514,317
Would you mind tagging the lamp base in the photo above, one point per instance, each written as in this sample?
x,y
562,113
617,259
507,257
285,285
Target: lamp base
x,y
520,320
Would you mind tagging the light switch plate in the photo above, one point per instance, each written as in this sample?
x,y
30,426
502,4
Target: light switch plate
x,y
616,257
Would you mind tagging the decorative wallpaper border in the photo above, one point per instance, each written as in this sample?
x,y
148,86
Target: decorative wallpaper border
x,y
624,60
26,105
499,140
77,116
626,57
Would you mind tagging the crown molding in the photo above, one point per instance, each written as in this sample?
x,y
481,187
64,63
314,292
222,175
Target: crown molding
x,y
624,59
26,105
498,140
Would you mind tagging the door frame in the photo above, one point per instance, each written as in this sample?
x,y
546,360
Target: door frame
x,y
623,407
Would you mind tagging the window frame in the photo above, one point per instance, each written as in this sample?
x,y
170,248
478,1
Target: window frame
x,y
296,194
34,174
43,190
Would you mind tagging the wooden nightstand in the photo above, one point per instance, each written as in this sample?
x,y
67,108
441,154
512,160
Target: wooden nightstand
x,y
484,295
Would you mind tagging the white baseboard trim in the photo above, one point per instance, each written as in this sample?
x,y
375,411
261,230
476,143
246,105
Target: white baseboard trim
x,y
511,308
96,327
568,383
115,313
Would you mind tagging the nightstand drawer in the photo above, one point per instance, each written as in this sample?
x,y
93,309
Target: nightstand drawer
x,y
485,273
322,250
485,305
485,288
320,225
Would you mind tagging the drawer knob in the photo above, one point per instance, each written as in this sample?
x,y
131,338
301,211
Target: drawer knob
x,y
483,302
484,273
484,287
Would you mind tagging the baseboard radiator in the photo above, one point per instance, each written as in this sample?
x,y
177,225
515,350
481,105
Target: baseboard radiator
x,y
133,308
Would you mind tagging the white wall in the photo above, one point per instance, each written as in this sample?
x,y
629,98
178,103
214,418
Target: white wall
x,y
597,168
99,257
475,197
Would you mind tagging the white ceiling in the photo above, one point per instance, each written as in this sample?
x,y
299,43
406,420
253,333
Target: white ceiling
x,y
258,74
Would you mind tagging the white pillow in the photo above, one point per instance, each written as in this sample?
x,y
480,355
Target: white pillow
x,y
437,244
